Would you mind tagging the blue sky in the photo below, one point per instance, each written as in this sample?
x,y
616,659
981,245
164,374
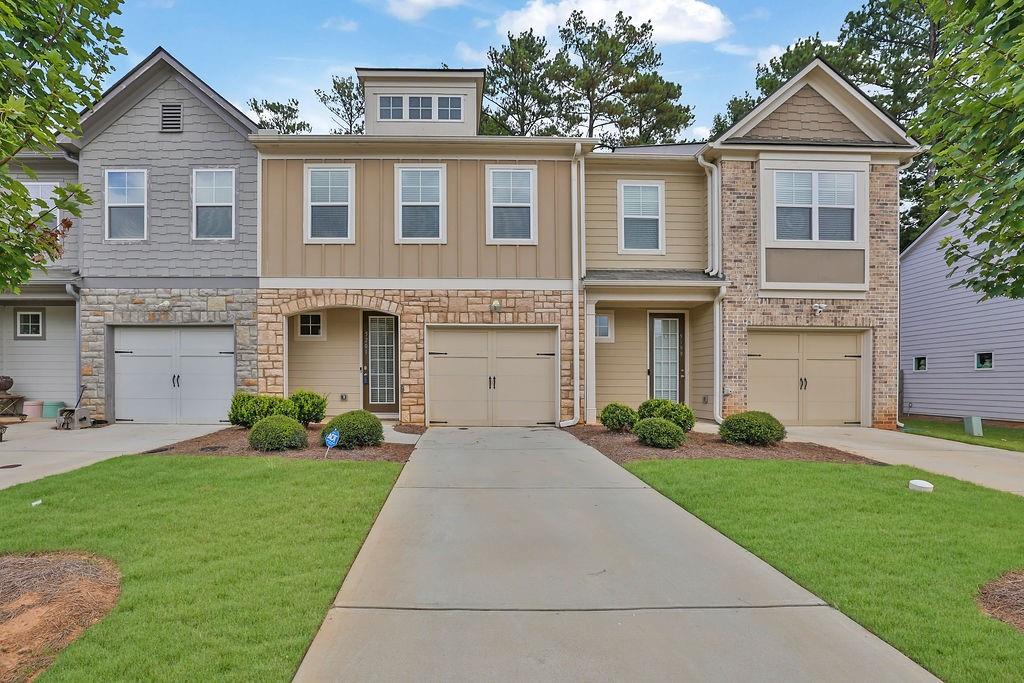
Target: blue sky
x,y
278,50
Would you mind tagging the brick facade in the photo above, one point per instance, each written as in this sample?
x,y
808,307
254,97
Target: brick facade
x,y
415,308
742,308
104,308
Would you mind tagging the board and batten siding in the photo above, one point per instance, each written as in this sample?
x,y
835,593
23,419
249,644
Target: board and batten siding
x,y
42,369
686,224
375,254
330,365
948,326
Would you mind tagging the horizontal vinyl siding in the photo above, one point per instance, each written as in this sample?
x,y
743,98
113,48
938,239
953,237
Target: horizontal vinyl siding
x,y
949,325
621,365
329,366
42,369
702,361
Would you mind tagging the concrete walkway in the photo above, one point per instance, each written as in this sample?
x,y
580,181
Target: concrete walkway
x,y
40,450
992,467
522,554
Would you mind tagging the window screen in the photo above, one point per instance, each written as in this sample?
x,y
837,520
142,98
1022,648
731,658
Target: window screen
x,y
511,204
329,203
641,217
420,203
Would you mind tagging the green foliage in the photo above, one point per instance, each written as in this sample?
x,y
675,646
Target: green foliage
x,y
651,113
346,103
754,428
975,124
659,433
735,109
278,433
519,94
356,428
309,406
651,406
617,417
55,57
281,116
248,409
677,413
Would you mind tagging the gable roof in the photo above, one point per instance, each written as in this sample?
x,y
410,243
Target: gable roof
x,y
947,218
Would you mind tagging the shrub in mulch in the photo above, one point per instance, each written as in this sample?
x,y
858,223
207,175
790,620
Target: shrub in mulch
x,y
618,417
1003,599
753,427
47,600
355,428
235,441
659,433
278,433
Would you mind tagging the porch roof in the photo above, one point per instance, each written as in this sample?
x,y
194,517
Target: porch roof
x,y
651,277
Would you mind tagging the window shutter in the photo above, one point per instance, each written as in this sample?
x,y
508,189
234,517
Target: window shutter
x,y
171,117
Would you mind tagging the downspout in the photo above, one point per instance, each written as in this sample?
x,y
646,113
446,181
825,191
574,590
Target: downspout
x,y
714,222
717,308
74,293
899,312
574,184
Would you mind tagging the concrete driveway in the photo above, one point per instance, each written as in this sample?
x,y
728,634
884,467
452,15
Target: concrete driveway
x,y
522,554
40,450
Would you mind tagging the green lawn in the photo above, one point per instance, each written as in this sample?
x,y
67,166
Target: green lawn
x,y
1011,438
229,564
905,565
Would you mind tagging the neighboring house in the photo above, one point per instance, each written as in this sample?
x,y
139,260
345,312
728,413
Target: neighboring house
x,y
959,356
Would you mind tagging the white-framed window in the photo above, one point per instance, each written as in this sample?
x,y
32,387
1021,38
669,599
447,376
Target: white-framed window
x,y
604,327
511,205
641,217
920,363
213,203
390,107
330,204
421,107
125,192
449,108
43,192
815,205
310,326
984,360
420,204
30,324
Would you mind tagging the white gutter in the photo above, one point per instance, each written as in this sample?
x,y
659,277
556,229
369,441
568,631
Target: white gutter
x,y
73,292
717,308
574,184
714,217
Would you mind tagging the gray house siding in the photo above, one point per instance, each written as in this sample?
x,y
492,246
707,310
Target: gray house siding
x,y
134,141
948,326
63,172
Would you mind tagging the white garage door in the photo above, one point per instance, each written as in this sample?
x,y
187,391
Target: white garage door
x,y
173,374
492,377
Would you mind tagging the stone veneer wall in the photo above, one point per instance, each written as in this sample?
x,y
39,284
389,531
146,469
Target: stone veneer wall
x,y
102,308
742,307
416,308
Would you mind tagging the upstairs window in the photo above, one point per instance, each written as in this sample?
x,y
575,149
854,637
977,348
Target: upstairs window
x,y
44,193
641,217
329,204
512,212
213,203
390,107
125,193
171,116
421,107
815,205
449,108
420,214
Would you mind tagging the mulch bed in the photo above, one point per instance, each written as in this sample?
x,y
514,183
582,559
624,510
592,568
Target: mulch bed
x,y
46,601
1003,599
235,441
406,428
623,447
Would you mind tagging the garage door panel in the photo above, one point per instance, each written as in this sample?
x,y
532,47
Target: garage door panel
x,y
145,341
205,394
523,343
459,342
832,395
774,387
206,341
458,390
774,344
831,345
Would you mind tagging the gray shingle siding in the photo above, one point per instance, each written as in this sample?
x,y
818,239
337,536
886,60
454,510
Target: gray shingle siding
x,y
135,141
949,326
63,172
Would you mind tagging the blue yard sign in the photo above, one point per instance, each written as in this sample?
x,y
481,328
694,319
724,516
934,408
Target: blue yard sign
x,y
331,440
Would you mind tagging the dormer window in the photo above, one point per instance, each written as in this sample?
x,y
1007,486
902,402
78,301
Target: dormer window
x,y
390,107
421,107
449,108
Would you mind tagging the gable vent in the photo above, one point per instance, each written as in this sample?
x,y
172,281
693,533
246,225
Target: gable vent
x,y
170,117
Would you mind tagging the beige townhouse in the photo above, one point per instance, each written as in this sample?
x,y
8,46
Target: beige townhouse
x,y
437,276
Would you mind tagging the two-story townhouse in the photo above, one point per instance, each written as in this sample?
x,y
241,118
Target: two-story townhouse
x,y
425,272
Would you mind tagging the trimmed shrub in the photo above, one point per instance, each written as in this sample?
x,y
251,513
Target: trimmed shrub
x,y
355,428
753,427
678,413
651,406
659,432
311,406
278,433
617,417
248,409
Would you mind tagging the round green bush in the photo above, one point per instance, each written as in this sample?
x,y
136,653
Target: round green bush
x,y
659,432
248,409
310,406
355,428
678,413
753,427
617,417
651,406
278,433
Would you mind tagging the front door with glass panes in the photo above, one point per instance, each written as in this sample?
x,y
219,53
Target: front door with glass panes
x,y
665,353
380,362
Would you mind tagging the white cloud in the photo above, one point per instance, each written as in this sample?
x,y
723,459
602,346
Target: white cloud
x,y
340,24
675,21
480,22
469,56
413,10
761,55
697,133
280,86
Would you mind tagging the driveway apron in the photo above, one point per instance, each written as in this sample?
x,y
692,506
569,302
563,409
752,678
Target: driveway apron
x,y
523,554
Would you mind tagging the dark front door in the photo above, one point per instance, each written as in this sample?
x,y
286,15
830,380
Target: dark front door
x,y
380,362
665,356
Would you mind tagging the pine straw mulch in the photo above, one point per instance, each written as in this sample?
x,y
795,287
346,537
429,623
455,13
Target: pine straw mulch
x,y
1003,599
46,601
235,441
624,447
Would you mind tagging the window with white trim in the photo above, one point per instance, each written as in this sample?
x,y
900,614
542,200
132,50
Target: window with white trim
x,y
29,325
310,326
330,197
390,107
920,363
421,107
213,203
420,211
641,224
125,192
449,108
43,192
511,211
815,205
604,327
984,360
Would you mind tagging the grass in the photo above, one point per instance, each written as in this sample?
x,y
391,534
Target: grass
x,y
1011,438
905,565
229,564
